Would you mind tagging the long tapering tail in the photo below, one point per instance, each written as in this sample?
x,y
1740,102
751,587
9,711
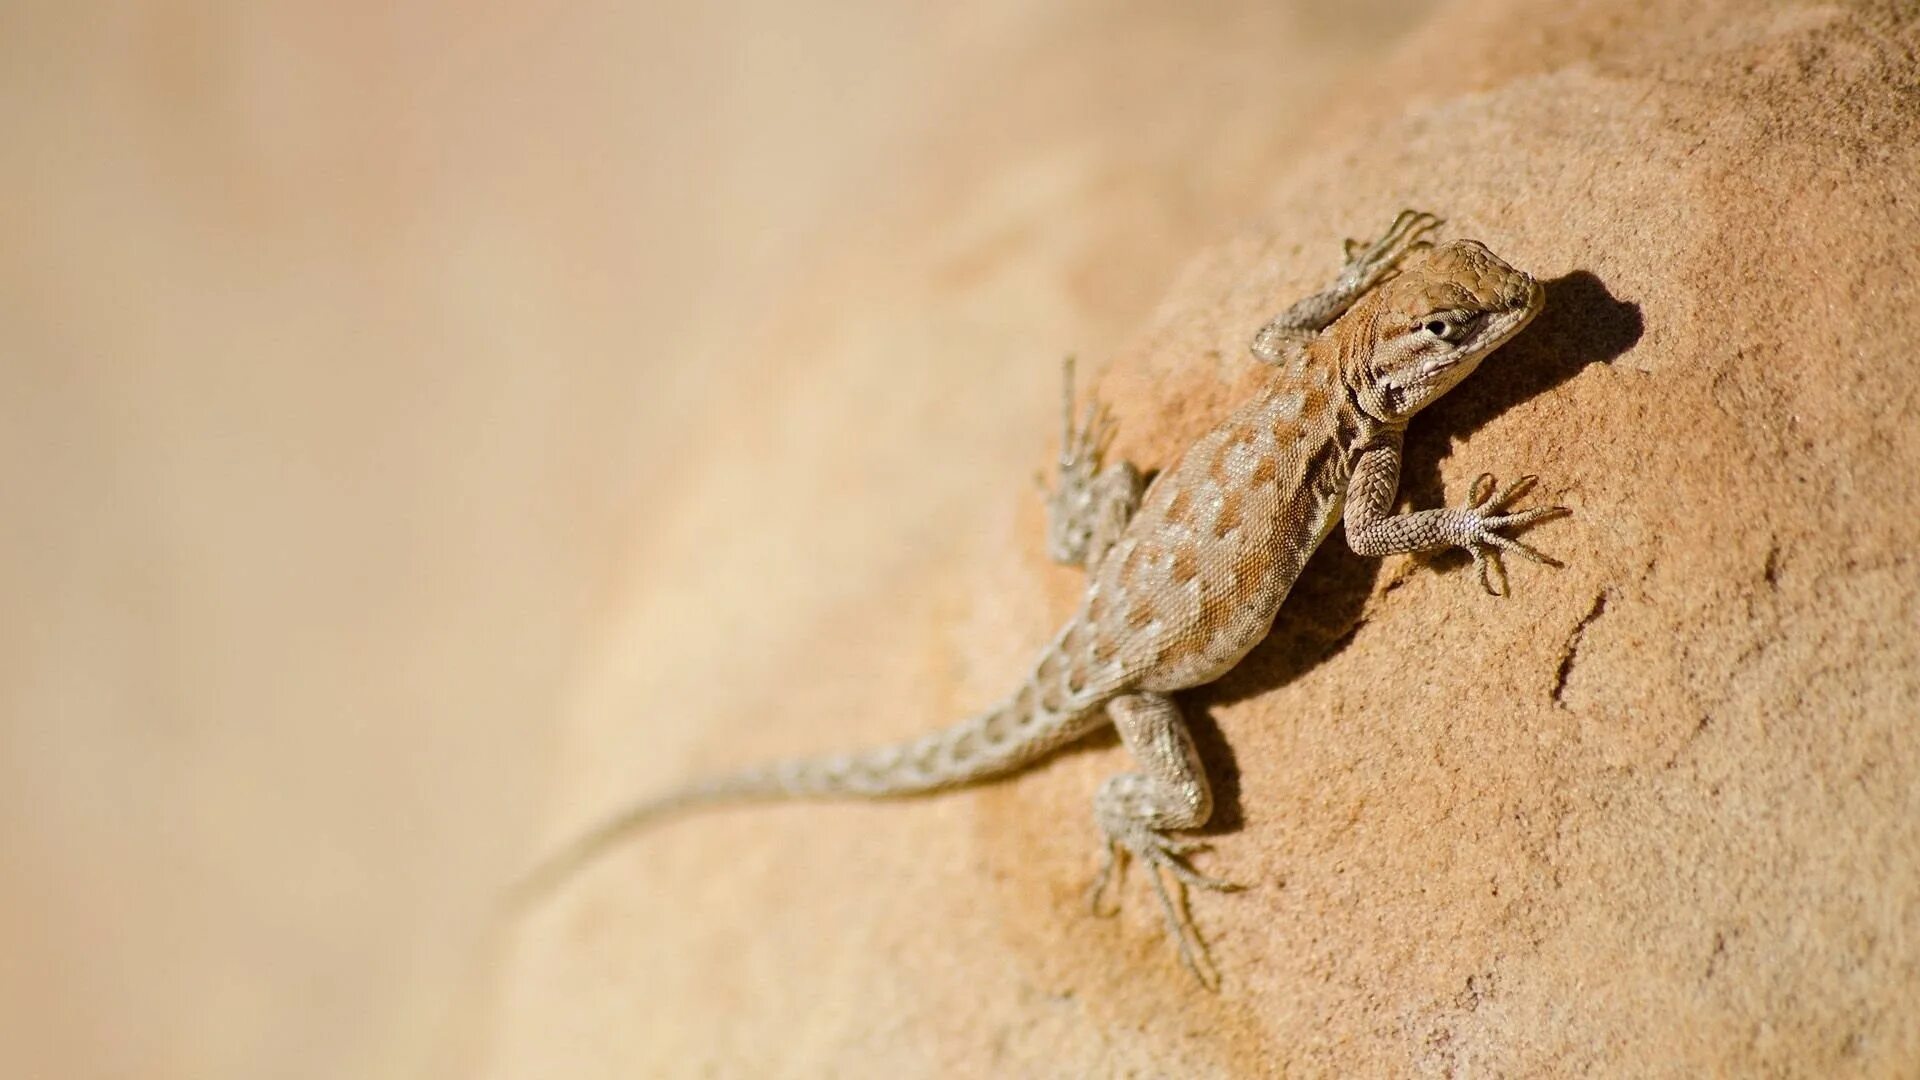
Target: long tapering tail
x,y
1054,707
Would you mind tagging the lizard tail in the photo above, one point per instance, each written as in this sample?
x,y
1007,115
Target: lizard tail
x,y
1054,707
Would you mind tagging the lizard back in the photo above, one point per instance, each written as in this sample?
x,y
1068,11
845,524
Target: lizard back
x,y
1195,580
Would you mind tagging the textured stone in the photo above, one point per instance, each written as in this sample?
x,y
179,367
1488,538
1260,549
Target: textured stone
x,y
417,414
1658,814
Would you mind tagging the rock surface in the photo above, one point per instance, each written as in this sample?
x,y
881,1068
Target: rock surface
x,y
1657,814
415,410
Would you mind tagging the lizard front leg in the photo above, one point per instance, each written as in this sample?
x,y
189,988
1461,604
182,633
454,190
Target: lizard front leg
x,y
1373,529
1094,500
1368,263
1138,810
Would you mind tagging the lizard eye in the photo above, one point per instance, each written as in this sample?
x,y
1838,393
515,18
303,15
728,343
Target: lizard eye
x,y
1452,329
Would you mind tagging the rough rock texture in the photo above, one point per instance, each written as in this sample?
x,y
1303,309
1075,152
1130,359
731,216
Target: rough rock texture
x,y
417,409
1658,814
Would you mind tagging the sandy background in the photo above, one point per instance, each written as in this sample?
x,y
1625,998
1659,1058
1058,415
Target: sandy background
x,y
421,431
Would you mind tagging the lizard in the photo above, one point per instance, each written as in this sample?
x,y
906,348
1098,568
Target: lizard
x,y
1185,576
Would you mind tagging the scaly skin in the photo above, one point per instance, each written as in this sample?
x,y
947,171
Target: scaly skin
x,y
1186,584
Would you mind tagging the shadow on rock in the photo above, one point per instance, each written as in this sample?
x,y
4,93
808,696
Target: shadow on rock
x,y
1582,324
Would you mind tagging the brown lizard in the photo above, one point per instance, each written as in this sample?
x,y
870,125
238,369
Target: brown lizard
x,y
1186,577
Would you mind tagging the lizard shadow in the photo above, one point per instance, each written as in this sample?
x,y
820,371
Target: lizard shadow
x,y
1581,324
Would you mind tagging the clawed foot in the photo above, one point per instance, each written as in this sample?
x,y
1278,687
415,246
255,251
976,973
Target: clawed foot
x,y
1369,261
1090,503
1484,521
1159,852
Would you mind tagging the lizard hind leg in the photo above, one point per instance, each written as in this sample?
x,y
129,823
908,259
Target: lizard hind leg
x,y
1094,500
1137,811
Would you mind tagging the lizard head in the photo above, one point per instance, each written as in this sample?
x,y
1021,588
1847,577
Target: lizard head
x,y
1432,325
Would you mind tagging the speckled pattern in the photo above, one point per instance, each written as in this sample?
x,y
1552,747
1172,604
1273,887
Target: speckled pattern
x,y
1657,814
1194,577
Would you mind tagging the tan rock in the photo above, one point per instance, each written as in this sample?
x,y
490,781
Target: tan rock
x,y
415,412
1659,814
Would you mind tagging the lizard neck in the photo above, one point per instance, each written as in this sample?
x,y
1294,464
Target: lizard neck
x,y
1306,402
1323,371
1357,429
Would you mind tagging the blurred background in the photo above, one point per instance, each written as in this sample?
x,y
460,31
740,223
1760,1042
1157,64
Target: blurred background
x,y
347,351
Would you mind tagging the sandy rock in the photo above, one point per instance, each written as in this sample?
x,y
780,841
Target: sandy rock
x,y
1656,814
413,416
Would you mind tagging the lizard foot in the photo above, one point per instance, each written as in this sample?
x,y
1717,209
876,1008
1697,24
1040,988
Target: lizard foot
x,y
1369,261
1093,502
1484,520
1163,856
